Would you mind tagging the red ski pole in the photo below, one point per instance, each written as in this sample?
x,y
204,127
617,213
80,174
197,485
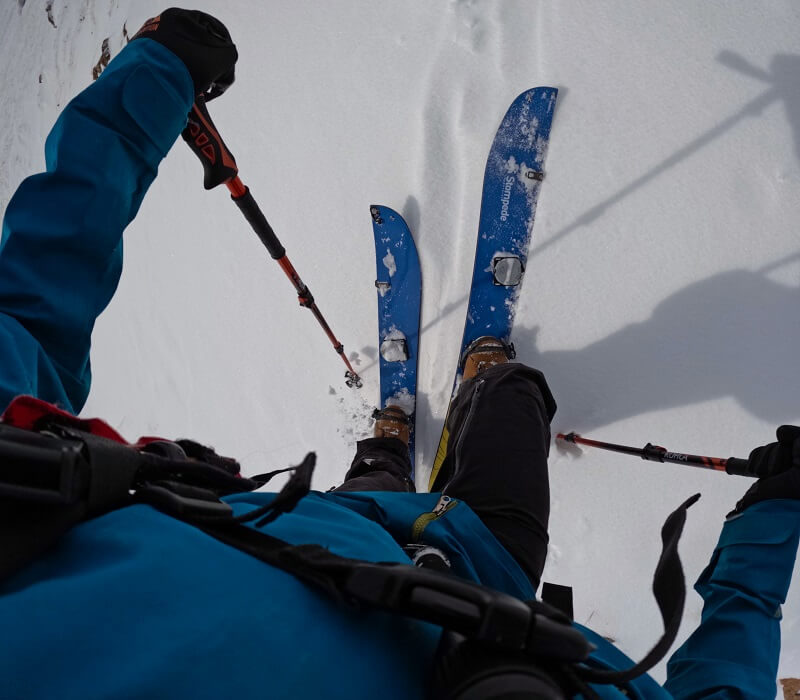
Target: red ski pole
x,y
654,453
219,166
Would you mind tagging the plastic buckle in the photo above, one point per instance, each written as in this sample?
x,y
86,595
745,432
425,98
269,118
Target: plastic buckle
x,y
462,606
38,468
470,609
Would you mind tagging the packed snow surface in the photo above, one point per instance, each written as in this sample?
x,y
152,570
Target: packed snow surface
x,y
662,292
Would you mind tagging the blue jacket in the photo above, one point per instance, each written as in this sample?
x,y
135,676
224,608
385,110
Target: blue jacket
x,y
136,604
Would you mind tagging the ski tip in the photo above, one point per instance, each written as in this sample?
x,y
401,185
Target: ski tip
x,y
541,88
381,211
544,92
376,214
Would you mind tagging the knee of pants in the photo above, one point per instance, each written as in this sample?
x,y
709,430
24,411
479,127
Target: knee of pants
x,y
500,397
515,376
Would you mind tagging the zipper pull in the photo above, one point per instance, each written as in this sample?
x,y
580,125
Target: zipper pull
x,y
442,505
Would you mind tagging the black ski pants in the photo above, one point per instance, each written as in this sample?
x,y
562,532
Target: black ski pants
x,y
496,459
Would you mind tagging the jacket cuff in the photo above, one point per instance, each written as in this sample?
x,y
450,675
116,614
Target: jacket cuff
x,y
757,549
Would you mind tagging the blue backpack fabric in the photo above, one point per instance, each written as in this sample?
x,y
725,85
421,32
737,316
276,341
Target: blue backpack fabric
x,y
137,604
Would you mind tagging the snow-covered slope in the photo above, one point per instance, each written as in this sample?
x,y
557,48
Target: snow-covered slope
x,y
662,298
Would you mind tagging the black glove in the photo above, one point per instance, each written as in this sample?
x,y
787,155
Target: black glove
x,y
777,457
778,464
201,42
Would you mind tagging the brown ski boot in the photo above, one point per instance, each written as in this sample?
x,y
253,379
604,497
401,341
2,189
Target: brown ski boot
x,y
483,353
392,421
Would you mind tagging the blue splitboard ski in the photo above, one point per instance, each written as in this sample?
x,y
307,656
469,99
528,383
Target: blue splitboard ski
x,y
399,285
511,183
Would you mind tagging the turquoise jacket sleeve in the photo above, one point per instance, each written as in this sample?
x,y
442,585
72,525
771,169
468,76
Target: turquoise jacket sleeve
x,y
734,651
61,247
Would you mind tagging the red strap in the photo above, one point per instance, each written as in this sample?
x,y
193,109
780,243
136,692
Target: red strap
x,y
28,413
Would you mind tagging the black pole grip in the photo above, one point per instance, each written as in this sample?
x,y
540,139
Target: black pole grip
x,y
259,222
739,467
203,138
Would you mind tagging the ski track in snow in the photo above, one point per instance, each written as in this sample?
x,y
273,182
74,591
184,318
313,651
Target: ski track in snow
x,y
658,261
459,120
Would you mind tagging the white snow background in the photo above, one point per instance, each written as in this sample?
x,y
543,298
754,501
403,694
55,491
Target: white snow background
x,y
662,296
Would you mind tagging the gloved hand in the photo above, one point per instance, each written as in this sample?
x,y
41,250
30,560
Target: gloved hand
x,y
778,463
201,41
777,457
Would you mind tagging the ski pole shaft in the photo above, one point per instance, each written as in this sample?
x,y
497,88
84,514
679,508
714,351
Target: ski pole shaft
x,y
240,194
654,453
219,166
